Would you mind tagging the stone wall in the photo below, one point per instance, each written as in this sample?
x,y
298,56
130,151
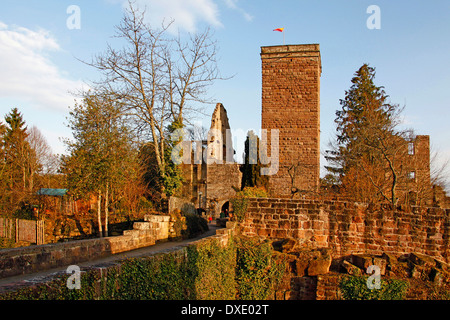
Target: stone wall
x,y
291,104
101,271
320,287
182,204
348,228
212,173
37,258
220,182
327,286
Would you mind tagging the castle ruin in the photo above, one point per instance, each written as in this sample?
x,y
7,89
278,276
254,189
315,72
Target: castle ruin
x,y
291,105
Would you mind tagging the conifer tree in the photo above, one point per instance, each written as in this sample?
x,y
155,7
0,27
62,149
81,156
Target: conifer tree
x,y
251,169
19,162
368,146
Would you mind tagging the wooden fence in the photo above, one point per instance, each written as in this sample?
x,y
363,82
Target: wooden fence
x,y
23,230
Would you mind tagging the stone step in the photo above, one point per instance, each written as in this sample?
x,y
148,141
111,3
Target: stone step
x,y
142,226
156,218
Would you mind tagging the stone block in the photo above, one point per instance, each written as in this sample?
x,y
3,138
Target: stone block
x,y
301,265
381,263
313,262
261,232
284,245
422,260
141,226
362,261
131,233
350,268
279,234
390,258
321,264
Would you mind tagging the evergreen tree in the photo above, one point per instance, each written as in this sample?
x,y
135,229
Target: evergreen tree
x,y
19,162
367,141
160,183
251,169
4,174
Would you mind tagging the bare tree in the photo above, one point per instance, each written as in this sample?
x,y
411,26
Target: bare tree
x,y
440,170
159,79
197,133
47,160
386,151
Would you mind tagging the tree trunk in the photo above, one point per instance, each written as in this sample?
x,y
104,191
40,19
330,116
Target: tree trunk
x,y
106,209
99,214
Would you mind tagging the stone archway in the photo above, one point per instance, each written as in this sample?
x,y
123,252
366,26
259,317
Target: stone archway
x,y
225,209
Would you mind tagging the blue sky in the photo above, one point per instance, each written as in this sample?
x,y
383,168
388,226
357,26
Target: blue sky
x,y
39,54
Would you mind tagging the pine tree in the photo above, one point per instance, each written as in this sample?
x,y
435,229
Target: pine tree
x,y
367,141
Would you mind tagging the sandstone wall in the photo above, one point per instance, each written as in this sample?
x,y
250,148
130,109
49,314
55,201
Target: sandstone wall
x,y
36,258
348,228
101,271
221,179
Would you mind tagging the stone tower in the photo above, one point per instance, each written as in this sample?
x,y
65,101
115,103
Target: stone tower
x,y
291,104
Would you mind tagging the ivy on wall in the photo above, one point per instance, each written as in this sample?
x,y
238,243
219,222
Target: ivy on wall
x,y
241,199
258,273
244,269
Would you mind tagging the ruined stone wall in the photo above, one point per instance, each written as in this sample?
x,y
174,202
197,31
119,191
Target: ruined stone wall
x,y
291,104
421,157
220,144
210,177
420,165
414,180
348,228
220,180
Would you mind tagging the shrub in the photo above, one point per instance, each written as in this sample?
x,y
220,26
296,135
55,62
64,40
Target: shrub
x,y
240,200
355,288
212,271
257,272
195,225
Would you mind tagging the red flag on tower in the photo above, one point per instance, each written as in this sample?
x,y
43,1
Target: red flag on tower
x,y
282,31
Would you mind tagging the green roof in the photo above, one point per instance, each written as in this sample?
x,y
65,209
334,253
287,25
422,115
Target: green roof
x,y
52,192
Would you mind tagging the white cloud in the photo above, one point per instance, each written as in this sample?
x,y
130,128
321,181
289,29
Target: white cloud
x,y
27,72
185,13
232,4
